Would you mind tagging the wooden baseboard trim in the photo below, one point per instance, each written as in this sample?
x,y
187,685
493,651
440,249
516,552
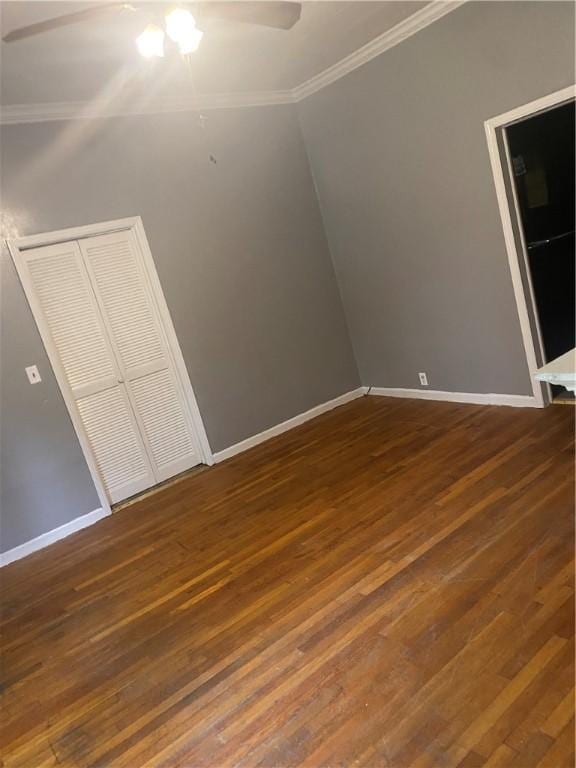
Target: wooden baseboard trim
x,y
472,398
261,437
50,537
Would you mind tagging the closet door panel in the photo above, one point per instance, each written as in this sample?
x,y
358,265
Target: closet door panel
x,y
62,295
115,442
123,291
116,271
164,425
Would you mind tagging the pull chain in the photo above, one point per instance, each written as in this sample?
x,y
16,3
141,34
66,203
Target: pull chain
x,y
202,118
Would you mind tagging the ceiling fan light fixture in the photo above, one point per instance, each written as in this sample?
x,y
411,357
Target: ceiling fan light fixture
x,y
181,28
151,42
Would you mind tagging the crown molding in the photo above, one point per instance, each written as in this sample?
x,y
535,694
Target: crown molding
x,y
14,114
392,37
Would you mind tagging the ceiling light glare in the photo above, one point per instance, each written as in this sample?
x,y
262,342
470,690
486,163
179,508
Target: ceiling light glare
x,y
181,28
151,42
179,24
192,42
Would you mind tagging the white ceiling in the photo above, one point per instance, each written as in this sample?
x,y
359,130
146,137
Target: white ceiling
x,y
96,59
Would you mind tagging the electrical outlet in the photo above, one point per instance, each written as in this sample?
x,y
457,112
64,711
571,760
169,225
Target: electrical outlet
x,y
33,374
423,379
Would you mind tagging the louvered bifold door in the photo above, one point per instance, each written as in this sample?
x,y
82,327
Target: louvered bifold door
x,y
124,293
61,294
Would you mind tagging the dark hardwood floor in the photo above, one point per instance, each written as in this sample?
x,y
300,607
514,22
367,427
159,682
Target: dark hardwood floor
x,y
388,585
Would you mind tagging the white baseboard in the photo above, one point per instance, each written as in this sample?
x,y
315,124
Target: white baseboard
x,y
52,536
517,401
261,437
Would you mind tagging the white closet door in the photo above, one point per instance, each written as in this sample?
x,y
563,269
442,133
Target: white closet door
x,y
62,298
122,288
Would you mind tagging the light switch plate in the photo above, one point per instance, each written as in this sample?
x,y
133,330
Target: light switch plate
x,y
33,374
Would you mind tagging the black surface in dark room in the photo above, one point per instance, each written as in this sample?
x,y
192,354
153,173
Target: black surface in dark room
x,y
543,159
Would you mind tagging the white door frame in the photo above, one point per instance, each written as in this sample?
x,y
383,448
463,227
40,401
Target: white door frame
x,y
518,261
17,246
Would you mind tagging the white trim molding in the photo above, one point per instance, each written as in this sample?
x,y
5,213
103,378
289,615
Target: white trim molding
x,y
17,553
279,429
392,37
517,257
472,398
15,114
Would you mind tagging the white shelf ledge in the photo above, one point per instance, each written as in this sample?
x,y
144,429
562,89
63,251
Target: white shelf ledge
x,y
561,371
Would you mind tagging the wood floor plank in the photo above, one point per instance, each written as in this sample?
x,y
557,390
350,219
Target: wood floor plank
x,y
389,585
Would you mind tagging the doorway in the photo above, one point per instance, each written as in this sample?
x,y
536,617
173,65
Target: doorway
x,y
542,153
545,307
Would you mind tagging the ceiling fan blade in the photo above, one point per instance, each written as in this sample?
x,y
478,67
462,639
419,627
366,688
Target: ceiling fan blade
x,y
280,15
63,21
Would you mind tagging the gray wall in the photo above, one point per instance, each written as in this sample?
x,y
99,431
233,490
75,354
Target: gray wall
x,y
400,160
242,258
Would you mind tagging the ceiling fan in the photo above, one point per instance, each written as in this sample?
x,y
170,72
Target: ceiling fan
x,y
183,24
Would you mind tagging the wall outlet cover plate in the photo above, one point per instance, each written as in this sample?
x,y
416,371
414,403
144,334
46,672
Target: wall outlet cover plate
x,y
33,374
